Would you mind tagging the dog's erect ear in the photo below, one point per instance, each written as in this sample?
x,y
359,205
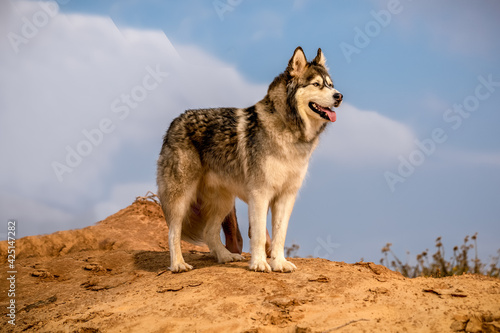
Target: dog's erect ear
x,y
297,63
320,59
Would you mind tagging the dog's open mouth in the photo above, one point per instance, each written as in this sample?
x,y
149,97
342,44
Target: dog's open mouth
x,y
324,112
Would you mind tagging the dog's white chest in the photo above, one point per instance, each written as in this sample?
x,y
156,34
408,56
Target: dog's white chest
x,y
284,174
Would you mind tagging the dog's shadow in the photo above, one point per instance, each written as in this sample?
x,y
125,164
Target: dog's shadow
x,y
153,261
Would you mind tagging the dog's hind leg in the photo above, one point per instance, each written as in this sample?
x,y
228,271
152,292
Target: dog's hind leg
x,y
177,210
216,205
178,177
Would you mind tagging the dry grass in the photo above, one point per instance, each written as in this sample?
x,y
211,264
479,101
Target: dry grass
x,y
464,261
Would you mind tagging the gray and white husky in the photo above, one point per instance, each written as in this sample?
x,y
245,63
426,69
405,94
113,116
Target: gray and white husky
x,y
259,154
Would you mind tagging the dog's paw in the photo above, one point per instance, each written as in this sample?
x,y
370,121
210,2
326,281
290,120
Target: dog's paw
x,y
260,266
282,265
180,267
228,257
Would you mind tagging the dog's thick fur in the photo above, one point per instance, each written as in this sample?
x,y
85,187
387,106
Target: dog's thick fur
x,y
259,154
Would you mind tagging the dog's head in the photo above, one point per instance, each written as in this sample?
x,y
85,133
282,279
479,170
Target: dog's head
x,y
310,88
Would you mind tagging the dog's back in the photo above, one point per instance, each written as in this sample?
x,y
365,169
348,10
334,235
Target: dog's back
x,y
216,140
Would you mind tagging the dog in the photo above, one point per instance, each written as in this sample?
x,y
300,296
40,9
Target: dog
x,y
259,154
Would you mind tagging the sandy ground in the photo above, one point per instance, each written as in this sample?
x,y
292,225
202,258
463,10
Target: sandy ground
x,y
112,277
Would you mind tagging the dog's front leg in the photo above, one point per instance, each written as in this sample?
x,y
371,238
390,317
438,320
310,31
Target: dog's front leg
x,y
281,210
258,206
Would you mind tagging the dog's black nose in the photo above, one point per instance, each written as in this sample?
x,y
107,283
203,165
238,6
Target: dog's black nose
x,y
338,97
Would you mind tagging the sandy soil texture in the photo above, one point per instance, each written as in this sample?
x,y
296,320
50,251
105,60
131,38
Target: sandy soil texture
x,y
113,277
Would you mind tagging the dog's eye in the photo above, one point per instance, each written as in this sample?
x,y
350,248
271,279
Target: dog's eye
x,y
316,84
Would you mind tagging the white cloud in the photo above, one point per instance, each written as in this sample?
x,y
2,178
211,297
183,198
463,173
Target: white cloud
x,y
365,138
62,83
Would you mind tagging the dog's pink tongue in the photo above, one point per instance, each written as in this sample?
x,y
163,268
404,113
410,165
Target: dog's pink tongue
x,y
332,115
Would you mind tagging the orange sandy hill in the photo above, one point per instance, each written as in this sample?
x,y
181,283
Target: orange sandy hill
x,y
112,277
140,226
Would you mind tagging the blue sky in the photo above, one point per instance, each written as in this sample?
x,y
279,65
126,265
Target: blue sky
x,y
88,89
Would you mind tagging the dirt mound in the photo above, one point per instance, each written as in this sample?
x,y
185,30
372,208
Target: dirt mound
x,y
112,277
140,226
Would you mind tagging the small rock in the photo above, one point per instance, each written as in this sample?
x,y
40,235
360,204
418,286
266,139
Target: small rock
x,y
96,268
379,290
475,325
461,317
321,279
458,326
44,275
492,327
300,329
